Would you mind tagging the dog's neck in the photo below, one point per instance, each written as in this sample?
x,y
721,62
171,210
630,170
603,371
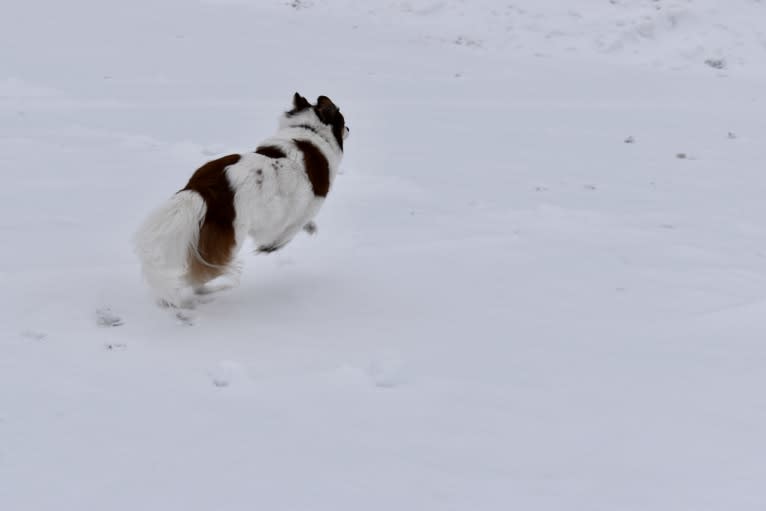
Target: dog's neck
x,y
307,127
330,140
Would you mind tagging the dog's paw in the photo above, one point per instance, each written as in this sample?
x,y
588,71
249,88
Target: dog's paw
x,y
267,249
206,290
187,303
163,303
310,228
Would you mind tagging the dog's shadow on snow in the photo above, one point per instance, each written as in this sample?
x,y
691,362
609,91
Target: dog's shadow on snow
x,y
283,295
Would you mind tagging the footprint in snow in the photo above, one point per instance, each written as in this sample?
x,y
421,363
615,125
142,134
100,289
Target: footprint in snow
x,y
184,318
34,335
384,373
228,373
387,373
106,318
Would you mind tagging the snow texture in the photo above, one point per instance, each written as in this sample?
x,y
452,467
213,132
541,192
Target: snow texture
x,y
539,282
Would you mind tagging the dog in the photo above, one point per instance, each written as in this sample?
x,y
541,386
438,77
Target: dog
x,y
270,195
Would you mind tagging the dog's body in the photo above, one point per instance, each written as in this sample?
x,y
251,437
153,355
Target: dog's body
x,y
269,195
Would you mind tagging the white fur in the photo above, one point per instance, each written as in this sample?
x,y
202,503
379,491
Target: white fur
x,y
163,242
274,200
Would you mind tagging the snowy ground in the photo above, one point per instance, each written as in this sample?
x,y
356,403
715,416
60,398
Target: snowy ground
x,y
540,283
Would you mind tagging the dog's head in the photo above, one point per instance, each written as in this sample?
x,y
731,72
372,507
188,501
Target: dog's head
x,y
323,113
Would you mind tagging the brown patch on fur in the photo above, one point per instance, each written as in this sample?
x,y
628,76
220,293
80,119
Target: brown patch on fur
x,y
271,151
216,235
317,168
330,114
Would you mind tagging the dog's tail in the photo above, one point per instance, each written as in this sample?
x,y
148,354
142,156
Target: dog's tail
x,y
164,241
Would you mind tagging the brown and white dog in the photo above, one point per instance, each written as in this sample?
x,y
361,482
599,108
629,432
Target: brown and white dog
x,y
269,195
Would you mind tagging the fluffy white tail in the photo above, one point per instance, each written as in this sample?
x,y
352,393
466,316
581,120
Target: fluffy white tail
x,y
164,240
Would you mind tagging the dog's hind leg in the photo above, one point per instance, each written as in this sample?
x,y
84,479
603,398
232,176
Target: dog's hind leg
x,y
212,256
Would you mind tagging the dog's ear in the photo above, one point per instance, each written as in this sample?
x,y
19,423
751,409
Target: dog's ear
x,y
326,109
299,102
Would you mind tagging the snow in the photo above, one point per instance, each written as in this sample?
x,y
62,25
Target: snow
x,y
506,306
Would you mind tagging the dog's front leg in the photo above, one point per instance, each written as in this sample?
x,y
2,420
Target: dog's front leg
x,y
310,227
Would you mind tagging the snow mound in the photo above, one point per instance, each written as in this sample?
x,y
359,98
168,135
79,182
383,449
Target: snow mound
x,y
672,34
